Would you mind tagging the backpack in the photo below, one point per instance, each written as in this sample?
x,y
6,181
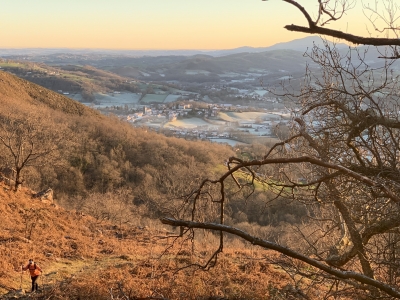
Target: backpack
x,y
34,266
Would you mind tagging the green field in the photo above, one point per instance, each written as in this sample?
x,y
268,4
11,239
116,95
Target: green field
x,y
17,65
11,65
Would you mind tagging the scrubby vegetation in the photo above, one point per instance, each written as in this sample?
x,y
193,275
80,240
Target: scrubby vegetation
x,y
83,257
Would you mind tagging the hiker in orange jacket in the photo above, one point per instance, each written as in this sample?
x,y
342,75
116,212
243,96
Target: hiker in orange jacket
x,y
34,271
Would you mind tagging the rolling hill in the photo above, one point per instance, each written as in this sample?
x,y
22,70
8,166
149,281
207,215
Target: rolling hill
x,y
70,79
17,91
200,68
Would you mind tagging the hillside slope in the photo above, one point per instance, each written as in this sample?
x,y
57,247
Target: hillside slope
x,y
71,79
17,91
45,232
97,153
83,258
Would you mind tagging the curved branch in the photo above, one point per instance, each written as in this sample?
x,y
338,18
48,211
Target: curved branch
x,y
288,252
311,23
355,39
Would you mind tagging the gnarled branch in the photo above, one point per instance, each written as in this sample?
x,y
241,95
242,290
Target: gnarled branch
x,y
347,275
355,39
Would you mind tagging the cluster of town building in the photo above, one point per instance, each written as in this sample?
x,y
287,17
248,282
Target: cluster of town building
x,y
157,115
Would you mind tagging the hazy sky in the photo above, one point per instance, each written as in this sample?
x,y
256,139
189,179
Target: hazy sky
x,y
152,24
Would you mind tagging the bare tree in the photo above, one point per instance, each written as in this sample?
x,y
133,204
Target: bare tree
x,y
28,140
345,144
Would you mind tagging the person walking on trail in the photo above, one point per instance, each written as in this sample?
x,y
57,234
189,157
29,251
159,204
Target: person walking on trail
x,y
34,271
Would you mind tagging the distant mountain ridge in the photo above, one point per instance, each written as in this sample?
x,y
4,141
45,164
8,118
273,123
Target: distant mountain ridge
x,y
301,44
297,45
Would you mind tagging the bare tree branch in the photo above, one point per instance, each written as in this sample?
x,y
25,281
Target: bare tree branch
x,y
286,251
313,28
355,39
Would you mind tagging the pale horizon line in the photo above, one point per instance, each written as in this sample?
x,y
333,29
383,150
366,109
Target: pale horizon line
x,y
132,49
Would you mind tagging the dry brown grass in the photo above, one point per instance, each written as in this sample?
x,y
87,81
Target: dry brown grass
x,y
85,259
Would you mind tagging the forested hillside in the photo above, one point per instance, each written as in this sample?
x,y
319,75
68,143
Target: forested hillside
x,y
85,153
